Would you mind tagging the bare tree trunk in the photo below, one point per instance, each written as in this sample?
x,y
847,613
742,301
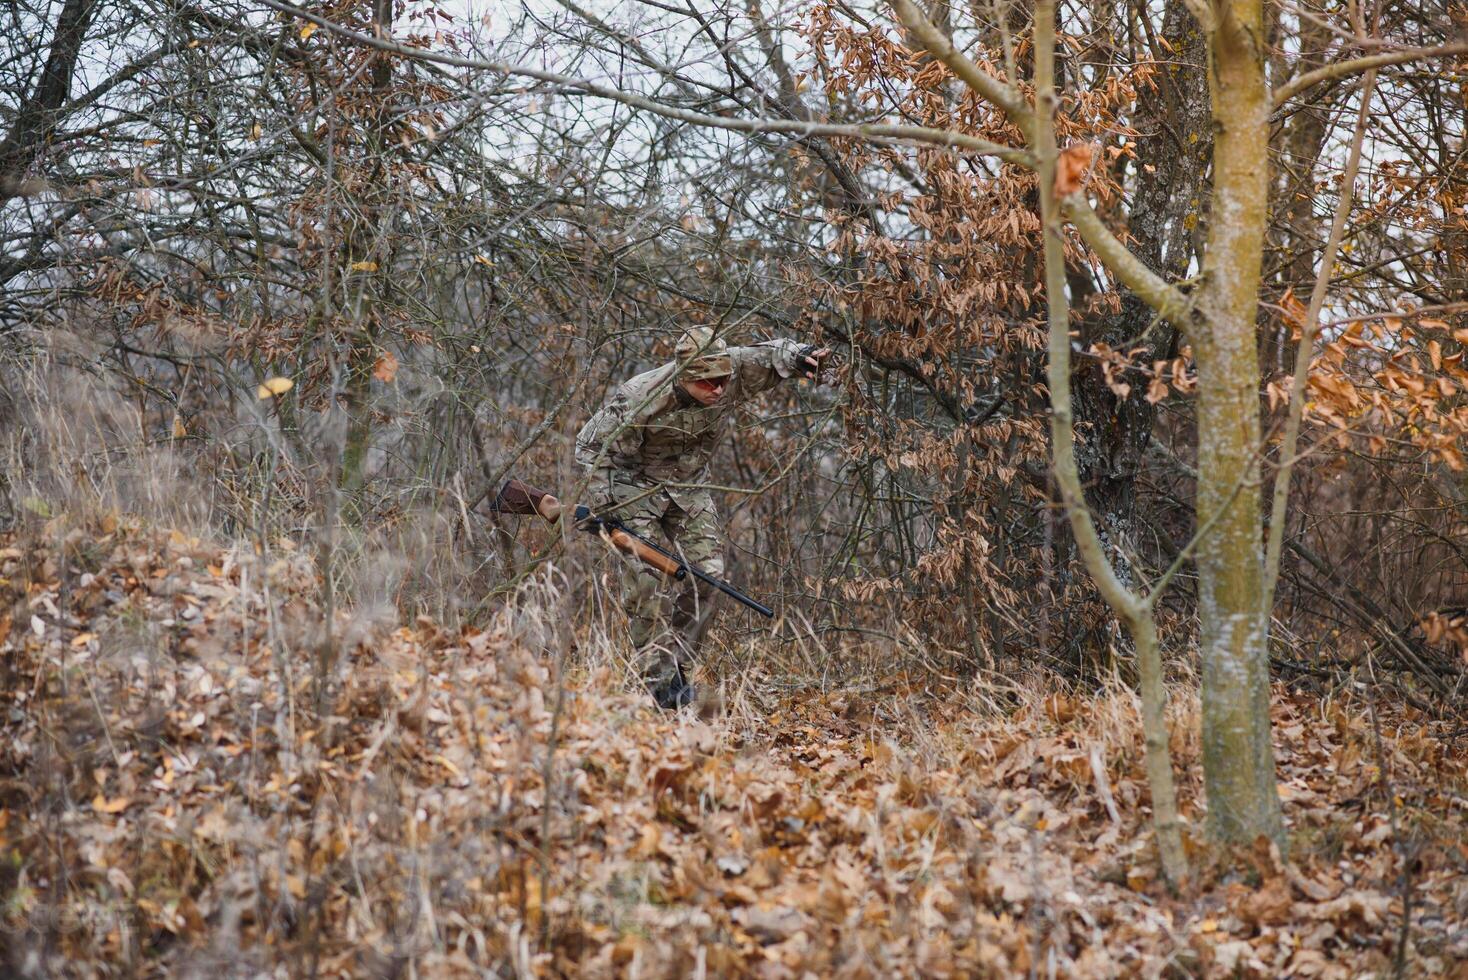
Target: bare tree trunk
x,y
1170,174
36,120
1455,237
1238,757
1303,139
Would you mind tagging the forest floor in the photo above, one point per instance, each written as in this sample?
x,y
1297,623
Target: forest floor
x,y
179,798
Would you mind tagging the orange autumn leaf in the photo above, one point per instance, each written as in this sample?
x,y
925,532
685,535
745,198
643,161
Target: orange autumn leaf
x,y
102,804
271,387
1294,311
1071,167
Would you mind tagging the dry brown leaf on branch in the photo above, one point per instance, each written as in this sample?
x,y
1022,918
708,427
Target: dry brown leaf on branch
x,y
1294,312
386,367
272,387
1071,167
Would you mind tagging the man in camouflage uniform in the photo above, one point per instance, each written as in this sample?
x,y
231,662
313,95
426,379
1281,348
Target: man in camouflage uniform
x,y
648,451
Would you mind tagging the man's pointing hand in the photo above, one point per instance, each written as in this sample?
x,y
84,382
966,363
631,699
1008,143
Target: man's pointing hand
x,y
811,359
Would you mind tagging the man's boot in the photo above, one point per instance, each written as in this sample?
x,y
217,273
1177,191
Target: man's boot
x,y
674,692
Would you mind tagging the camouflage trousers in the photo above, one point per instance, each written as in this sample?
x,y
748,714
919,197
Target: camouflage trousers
x,y
667,635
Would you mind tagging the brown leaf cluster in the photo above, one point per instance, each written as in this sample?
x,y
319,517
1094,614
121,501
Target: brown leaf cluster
x,y
1380,383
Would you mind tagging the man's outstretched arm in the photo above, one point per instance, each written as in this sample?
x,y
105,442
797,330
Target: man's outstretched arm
x,y
762,366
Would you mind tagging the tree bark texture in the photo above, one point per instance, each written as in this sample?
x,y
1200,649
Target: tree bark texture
x,y
364,242
1302,140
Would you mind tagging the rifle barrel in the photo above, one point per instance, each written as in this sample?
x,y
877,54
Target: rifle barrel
x,y
729,590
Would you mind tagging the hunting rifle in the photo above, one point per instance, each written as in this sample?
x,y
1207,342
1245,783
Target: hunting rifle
x,y
519,497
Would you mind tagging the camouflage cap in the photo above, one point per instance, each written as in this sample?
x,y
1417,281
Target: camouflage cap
x,y
715,362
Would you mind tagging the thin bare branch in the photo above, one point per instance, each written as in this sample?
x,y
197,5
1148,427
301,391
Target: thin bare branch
x,y
874,131
1341,69
1308,330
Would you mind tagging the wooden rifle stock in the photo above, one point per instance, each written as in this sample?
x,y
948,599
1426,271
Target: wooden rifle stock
x,y
626,542
655,556
518,497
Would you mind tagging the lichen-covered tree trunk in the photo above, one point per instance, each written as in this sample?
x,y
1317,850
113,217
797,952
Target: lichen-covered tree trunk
x,y
1238,757
1455,236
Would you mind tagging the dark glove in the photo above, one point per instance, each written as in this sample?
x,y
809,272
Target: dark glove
x,y
803,358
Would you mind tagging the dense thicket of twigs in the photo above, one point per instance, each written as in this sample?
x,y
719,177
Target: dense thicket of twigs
x,y
452,265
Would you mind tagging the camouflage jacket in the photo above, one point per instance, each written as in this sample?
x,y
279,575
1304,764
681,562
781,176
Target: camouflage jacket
x,y
651,432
